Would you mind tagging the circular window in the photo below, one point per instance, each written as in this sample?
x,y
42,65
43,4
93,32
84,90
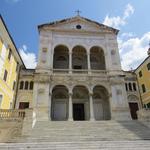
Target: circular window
x,y
78,26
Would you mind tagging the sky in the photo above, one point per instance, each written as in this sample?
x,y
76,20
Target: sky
x,y
131,17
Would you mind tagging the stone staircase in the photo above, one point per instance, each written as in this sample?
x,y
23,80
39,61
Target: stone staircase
x,y
106,135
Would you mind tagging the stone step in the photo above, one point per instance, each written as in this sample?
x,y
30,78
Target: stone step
x,y
69,131
91,145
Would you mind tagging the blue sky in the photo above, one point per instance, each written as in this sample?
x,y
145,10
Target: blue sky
x,y
131,17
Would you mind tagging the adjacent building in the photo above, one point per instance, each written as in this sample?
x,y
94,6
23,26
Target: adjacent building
x,y
143,76
10,64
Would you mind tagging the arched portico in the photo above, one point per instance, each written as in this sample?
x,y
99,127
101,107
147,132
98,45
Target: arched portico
x,y
59,107
80,100
97,58
101,103
61,57
79,58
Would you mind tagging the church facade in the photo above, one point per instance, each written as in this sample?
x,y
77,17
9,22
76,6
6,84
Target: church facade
x,y
79,75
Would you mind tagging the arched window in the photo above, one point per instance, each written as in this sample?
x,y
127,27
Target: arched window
x,y
130,87
61,57
134,86
21,85
26,85
31,85
126,86
148,66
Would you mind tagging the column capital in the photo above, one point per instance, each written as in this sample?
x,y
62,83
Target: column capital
x,y
90,93
70,93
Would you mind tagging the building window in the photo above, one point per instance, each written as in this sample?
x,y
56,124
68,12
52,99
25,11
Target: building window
x,y
14,85
23,105
126,86
143,88
140,74
134,87
1,97
148,105
78,26
130,87
17,66
21,85
26,85
148,66
9,54
5,75
31,85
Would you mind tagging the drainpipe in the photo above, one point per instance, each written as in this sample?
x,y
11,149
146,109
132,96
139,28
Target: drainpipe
x,y
17,85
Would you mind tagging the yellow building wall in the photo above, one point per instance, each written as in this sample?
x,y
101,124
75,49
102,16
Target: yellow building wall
x,y
6,88
145,79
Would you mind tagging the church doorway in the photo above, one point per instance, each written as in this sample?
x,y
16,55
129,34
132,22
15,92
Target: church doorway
x,y
80,99
133,105
101,103
59,110
133,110
78,112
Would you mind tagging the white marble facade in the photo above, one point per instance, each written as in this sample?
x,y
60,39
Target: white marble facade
x,y
78,75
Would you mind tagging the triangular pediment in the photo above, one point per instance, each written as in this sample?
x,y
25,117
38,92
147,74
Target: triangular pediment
x,y
80,24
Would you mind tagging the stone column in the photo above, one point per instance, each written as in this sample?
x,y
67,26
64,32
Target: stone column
x,y
91,107
52,61
70,62
50,106
70,117
89,63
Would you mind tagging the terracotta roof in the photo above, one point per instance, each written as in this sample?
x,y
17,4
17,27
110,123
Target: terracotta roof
x,y
68,19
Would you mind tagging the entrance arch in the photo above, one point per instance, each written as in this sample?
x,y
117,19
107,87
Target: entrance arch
x,y
59,103
80,99
101,103
133,105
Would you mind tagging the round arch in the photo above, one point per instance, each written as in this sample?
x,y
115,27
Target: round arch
x,y
101,103
59,106
97,58
79,57
61,57
80,99
133,102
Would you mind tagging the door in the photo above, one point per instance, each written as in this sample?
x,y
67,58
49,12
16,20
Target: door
x,y
98,111
133,109
59,111
78,112
23,105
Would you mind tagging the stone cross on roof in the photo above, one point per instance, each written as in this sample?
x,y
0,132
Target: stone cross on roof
x,y
78,12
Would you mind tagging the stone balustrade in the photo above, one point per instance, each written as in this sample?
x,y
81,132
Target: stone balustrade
x,y
80,71
11,113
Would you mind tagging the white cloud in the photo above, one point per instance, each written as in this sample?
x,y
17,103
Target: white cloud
x,y
28,58
119,21
133,51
